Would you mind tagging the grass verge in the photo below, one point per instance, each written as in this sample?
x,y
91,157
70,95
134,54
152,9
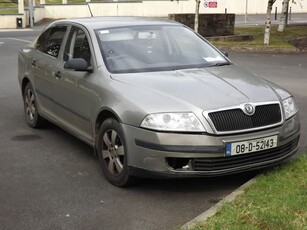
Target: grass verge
x,y
10,11
277,200
7,3
277,39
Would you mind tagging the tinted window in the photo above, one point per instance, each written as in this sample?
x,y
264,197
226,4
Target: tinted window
x,y
41,40
51,40
77,45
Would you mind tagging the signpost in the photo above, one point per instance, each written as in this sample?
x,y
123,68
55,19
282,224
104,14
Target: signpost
x,y
31,13
246,7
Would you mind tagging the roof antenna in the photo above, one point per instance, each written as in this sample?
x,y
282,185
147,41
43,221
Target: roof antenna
x,y
90,9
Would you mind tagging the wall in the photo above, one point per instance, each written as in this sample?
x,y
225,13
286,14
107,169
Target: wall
x,y
163,8
39,14
9,21
209,24
253,6
148,8
66,11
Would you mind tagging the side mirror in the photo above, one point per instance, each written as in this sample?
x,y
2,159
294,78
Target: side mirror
x,y
224,52
77,64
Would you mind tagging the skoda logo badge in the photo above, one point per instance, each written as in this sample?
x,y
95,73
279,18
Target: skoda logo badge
x,y
249,109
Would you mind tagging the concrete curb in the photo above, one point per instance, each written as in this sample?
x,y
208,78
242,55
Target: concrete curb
x,y
265,50
213,210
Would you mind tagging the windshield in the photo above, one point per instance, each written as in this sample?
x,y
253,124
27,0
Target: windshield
x,y
155,48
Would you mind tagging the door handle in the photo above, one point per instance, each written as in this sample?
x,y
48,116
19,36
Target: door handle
x,y
33,63
58,74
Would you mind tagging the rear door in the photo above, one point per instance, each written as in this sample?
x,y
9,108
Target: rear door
x,y
44,68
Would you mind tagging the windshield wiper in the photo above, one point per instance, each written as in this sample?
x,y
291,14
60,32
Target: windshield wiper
x,y
219,64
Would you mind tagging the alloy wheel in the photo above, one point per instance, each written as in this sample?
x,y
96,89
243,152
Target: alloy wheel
x,y
30,105
113,152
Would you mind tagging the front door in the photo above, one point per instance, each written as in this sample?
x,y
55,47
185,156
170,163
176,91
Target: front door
x,y
74,93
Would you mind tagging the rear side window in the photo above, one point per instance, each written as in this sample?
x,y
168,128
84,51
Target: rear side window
x,y
51,40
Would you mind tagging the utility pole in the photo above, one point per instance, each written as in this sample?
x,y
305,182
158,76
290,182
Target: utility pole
x,y
31,13
246,7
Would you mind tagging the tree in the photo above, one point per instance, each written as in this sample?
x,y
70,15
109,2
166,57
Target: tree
x,y
196,25
283,17
267,29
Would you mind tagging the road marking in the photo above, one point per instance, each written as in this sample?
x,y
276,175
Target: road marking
x,y
17,39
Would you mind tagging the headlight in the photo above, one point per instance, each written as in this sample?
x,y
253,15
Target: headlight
x,y
179,122
290,107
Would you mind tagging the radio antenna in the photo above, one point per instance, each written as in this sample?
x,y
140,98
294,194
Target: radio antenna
x,y
90,9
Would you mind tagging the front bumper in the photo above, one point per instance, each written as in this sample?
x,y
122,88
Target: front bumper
x,y
158,154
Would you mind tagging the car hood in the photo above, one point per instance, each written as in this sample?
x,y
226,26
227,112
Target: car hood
x,y
205,88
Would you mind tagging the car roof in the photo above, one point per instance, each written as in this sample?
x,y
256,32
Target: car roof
x,y
116,21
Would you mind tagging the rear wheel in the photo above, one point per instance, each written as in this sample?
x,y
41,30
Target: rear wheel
x,y
33,119
112,153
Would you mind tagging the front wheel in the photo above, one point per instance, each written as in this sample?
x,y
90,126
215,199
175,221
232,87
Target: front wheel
x,y
112,153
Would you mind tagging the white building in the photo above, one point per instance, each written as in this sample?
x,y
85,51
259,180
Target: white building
x,y
150,8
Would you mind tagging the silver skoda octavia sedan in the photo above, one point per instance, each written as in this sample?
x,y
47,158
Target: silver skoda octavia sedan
x,y
154,99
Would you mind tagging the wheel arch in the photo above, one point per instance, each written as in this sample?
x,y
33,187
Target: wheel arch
x,y
103,115
121,178
24,82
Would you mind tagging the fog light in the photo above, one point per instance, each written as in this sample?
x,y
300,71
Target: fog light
x,y
179,163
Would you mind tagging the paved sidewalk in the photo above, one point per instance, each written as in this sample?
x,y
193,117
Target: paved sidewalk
x,y
259,19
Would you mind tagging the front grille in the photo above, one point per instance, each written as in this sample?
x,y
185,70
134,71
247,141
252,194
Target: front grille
x,y
224,163
236,119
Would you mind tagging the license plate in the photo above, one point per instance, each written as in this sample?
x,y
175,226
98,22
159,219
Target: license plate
x,y
250,146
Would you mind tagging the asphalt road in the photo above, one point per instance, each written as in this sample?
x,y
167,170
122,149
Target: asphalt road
x,y
49,179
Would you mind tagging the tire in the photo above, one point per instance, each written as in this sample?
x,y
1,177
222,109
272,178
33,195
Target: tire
x,y
112,153
32,116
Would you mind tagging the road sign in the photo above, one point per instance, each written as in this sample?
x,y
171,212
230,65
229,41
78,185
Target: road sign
x,y
210,4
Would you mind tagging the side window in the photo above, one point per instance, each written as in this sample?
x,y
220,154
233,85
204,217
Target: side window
x,y
41,40
77,46
51,40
